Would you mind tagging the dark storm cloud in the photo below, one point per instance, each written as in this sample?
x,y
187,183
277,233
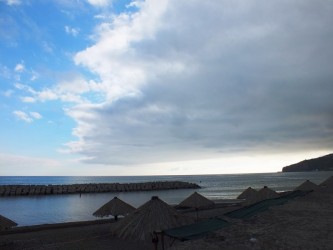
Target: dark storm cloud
x,y
223,76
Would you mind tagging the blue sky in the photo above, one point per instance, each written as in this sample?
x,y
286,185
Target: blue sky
x,y
98,87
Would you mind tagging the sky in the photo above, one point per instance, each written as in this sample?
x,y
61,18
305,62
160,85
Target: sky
x,y
158,87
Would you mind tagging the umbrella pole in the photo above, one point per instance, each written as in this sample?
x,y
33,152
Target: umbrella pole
x,y
196,210
162,240
155,240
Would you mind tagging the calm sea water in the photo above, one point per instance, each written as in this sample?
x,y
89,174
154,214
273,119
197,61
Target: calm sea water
x,y
34,210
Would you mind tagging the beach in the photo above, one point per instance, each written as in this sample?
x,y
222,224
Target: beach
x,y
49,209
91,235
302,223
305,222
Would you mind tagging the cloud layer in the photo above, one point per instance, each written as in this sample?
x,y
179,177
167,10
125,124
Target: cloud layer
x,y
185,80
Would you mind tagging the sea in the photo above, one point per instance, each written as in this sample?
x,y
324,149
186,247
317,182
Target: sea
x,y
47,209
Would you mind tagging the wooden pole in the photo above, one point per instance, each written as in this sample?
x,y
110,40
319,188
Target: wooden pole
x,y
162,240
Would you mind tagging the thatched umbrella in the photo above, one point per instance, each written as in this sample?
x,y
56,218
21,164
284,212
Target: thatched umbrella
x,y
197,201
247,193
114,207
155,215
327,182
327,185
307,186
6,223
266,193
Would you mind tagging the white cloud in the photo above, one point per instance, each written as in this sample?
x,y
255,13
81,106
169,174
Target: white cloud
x,y
112,57
22,116
27,117
24,87
191,80
100,3
19,67
188,80
12,164
36,115
72,31
73,84
46,95
13,2
34,76
71,88
28,99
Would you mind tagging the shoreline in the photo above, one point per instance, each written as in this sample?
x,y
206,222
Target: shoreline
x,y
61,225
307,218
220,204
29,190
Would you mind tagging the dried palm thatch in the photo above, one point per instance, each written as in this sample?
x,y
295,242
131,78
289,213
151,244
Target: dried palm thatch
x,y
196,200
248,194
6,223
327,182
154,215
307,186
114,207
266,193
327,185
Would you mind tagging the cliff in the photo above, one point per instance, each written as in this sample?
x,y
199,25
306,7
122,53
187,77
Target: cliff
x,y
323,163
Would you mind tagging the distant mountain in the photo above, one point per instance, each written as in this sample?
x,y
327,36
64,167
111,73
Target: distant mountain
x,y
323,163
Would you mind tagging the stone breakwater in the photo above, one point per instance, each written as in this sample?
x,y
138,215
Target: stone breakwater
x,y
18,190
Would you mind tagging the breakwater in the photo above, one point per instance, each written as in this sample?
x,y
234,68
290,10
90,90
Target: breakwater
x,y
18,190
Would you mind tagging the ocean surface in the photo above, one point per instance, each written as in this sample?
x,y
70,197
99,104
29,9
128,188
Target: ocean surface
x,y
34,210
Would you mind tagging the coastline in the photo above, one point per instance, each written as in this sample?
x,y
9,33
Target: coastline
x,y
47,209
307,219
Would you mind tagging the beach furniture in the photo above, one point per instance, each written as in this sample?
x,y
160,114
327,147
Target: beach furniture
x,y
328,182
248,194
197,201
153,216
263,205
266,193
6,223
307,186
114,207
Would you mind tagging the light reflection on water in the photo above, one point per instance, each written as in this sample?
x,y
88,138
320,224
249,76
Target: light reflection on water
x,y
32,210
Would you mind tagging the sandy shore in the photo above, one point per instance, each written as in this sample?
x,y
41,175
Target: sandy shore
x,y
303,223
68,236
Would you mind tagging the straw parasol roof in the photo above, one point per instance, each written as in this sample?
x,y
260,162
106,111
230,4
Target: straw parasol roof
x,y
248,193
266,193
114,207
327,185
327,182
307,186
154,215
196,200
6,223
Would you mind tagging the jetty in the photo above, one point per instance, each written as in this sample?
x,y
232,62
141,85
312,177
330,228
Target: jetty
x,y
26,190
